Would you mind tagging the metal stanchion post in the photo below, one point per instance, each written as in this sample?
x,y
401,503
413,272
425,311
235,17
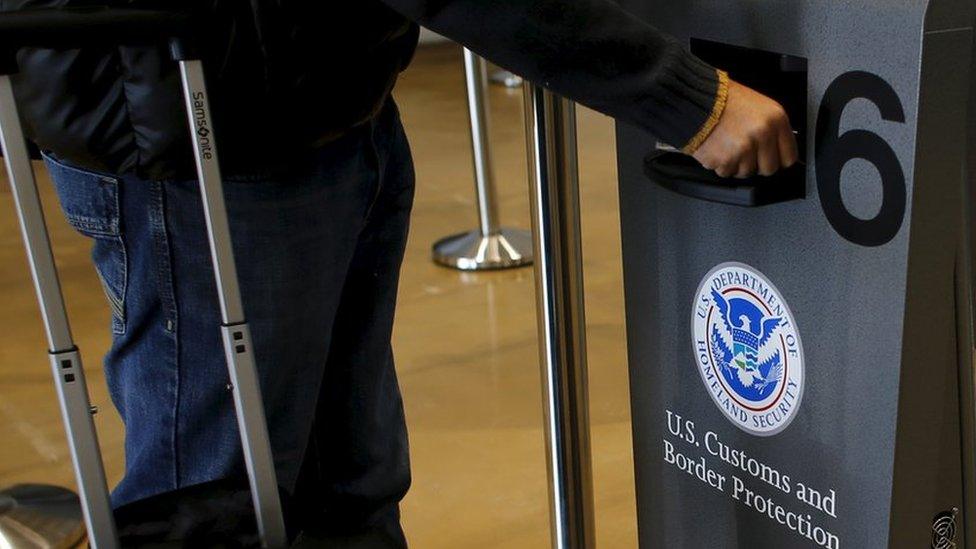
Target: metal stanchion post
x,y
490,246
554,192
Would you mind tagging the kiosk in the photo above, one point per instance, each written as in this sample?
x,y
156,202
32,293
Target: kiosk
x,y
800,346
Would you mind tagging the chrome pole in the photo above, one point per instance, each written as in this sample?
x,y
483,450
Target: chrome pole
x,y
491,246
554,193
484,177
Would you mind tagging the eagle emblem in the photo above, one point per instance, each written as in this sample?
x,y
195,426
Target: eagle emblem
x,y
743,347
747,348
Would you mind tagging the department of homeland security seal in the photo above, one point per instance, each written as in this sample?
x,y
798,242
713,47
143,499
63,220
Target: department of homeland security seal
x,y
747,349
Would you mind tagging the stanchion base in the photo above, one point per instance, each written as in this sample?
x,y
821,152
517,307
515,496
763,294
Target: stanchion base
x,y
505,78
35,515
474,252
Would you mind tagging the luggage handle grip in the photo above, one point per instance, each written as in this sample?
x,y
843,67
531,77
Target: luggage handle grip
x,y
77,27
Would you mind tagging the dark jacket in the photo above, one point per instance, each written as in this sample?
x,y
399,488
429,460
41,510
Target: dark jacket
x,y
286,76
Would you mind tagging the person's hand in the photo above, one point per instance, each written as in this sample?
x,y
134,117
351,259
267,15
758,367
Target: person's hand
x,y
752,135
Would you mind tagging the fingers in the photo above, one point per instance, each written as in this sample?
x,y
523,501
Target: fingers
x,y
769,157
788,152
748,163
730,160
707,157
727,170
774,147
719,159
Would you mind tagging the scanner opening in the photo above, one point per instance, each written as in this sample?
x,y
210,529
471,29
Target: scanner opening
x,y
780,76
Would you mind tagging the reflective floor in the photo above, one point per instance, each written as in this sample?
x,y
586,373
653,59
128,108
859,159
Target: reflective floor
x,y
465,342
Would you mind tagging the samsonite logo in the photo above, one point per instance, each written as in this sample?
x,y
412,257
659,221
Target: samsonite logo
x,y
748,352
202,125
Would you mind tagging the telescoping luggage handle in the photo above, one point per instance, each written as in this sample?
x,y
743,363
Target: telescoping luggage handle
x,y
81,27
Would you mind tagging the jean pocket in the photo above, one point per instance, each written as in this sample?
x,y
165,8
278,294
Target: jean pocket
x,y
90,202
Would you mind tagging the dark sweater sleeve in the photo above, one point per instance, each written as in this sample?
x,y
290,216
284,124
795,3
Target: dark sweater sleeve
x,y
591,51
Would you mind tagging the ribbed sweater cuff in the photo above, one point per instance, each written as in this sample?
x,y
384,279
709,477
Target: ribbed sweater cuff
x,y
687,101
721,99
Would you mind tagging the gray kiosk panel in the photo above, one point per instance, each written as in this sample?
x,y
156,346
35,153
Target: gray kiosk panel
x,y
795,367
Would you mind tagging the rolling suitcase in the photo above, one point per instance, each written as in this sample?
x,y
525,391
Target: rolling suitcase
x,y
80,27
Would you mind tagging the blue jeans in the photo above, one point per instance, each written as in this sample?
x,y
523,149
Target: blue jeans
x,y
318,253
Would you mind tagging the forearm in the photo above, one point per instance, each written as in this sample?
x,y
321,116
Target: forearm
x,y
589,50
